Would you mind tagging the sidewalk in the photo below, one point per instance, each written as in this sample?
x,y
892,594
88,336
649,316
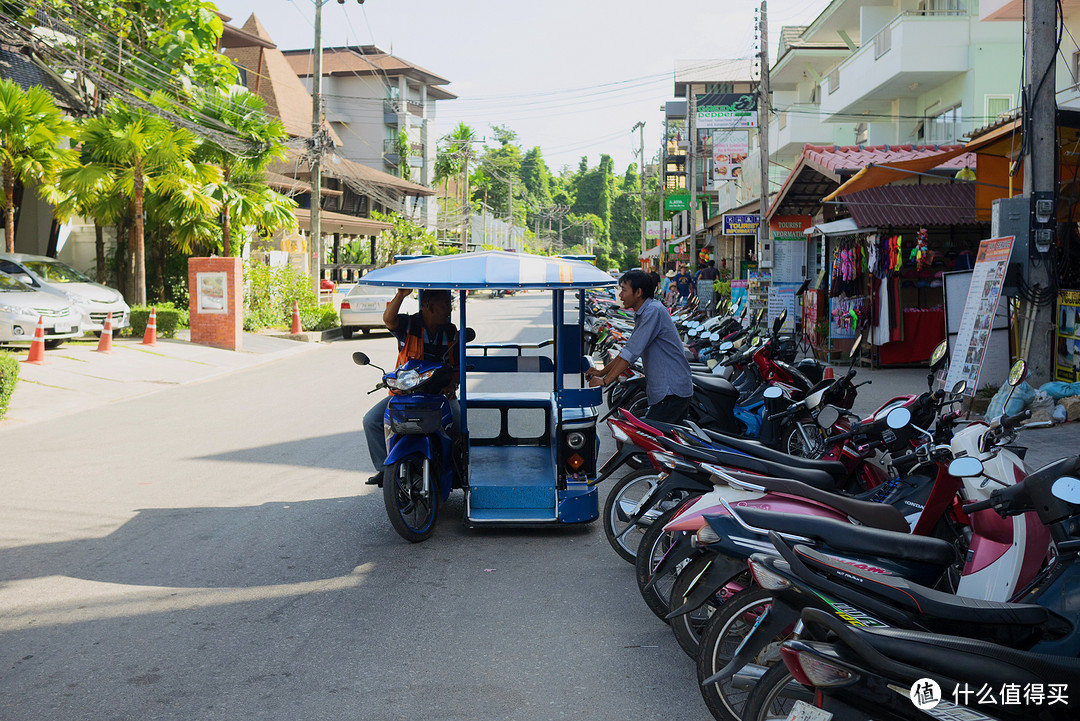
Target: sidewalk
x,y
78,378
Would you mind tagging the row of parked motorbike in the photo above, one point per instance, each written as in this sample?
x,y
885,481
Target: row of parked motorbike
x,y
900,565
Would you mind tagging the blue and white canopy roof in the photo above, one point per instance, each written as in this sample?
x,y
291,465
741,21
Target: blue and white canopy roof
x,y
494,269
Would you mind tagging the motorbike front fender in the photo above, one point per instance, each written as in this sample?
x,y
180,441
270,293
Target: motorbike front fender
x,y
720,572
404,446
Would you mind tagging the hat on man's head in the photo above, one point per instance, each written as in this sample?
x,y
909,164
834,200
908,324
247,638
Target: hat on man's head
x,y
671,274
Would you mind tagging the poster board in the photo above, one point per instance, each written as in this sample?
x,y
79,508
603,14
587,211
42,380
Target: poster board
x,y
980,308
996,360
781,298
1067,358
788,234
739,296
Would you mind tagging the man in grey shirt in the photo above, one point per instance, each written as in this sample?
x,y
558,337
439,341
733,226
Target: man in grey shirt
x,y
667,374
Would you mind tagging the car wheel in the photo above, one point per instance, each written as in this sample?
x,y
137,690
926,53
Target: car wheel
x,y
54,343
346,333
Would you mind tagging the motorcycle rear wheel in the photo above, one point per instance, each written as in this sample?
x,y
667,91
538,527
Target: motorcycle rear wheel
x,y
654,544
412,510
775,695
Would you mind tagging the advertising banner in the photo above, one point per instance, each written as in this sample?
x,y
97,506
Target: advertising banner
x,y
1068,336
729,150
727,110
740,224
657,230
676,203
979,310
781,298
789,247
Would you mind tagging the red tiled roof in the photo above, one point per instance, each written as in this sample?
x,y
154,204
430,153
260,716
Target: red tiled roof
x,y
840,158
926,204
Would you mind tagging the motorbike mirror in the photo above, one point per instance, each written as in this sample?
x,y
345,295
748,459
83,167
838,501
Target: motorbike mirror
x,y
959,388
966,467
726,346
803,287
898,418
1067,489
758,317
938,356
360,359
1018,373
773,392
828,416
714,337
692,332
743,313
779,322
854,352
470,335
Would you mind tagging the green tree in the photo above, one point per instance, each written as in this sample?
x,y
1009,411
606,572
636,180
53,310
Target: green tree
x,y
405,237
401,147
93,196
243,195
144,153
32,130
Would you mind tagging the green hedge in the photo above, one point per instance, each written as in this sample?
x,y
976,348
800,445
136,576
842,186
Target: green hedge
x,y
169,318
9,376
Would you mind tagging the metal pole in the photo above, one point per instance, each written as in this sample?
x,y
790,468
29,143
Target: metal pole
x,y
691,170
640,127
316,147
764,246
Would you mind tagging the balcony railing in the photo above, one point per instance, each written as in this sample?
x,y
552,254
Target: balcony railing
x,y
410,106
390,147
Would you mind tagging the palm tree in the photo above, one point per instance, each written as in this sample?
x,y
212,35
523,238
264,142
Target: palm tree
x,y
145,152
243,194
87,193
31,130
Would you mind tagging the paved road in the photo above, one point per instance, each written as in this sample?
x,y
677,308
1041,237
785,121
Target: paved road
x,y
210,552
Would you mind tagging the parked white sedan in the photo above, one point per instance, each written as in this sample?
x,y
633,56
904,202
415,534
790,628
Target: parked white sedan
x,y
21,306
95,300
362,309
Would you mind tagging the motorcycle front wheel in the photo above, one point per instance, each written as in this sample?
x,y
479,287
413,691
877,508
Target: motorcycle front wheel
x,y
411,497
625,496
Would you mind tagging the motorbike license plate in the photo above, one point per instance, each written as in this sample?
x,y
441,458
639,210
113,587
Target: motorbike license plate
x,y
805,712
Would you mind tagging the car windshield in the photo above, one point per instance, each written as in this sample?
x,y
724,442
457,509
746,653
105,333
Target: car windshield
x,y
54,272
9,285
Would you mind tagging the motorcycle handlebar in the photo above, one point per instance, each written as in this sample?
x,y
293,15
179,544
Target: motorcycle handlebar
x,y
1007,422
979,506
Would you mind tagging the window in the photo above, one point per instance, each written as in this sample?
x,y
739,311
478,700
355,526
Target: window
x,y
862,134
945,127
997,106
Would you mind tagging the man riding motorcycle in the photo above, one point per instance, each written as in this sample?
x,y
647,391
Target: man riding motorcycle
x,y
427,335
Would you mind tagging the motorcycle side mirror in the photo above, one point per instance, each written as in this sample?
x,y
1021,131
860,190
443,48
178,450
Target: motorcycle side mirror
x,y
470,335
360,359
803,287
714,337
966,467
726,346
1018,373
758,317
692,332
1067,489
743,313
898,418
959,388
779,322
773,392
828,416
854,352
938,356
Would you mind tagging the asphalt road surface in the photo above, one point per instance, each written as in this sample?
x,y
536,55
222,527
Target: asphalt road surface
x,y
211,552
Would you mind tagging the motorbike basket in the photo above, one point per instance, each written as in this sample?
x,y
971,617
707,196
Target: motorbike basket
x,y
416,419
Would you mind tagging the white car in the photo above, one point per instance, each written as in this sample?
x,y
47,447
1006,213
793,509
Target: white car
x,y
21,306
362,309
95,300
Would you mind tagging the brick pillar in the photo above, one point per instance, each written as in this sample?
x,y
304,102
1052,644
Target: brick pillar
x,y
216,286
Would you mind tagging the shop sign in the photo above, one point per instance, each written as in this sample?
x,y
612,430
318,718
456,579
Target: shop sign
x,y
676,203
979,310
655,229
1068,336
740,224
726,110
729,150
789,247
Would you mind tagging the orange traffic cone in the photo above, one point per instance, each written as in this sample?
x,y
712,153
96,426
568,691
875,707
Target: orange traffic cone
x,y
827,375
150,337
37,347
295,318
105,342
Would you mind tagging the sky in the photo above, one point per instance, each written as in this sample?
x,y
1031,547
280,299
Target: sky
x,y
570,76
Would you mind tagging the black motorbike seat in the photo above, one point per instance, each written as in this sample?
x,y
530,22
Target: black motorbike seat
x,y
854,539
714,385
922,600
873,515
836,469
731,460
970,661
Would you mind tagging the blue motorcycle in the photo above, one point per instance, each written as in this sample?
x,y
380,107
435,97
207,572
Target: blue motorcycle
x,y
421,467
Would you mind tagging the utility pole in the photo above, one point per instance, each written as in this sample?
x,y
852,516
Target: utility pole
x,y
691,169
1040,186
764,243
640,127
315,229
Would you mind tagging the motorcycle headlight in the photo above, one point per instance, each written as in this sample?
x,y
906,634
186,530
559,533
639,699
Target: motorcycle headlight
x,y
575,440
407,380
